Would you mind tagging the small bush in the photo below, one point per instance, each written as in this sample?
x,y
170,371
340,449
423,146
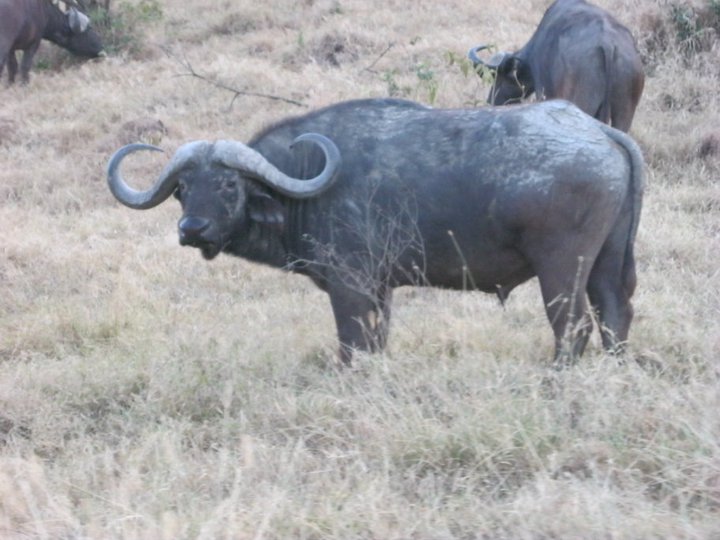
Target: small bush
x,y
688,28
695,28
121,29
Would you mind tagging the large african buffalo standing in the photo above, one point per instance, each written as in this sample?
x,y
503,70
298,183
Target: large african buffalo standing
x,y
375,194
579,52
25,23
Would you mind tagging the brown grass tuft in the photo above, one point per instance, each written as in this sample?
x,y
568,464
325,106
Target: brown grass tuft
x,y
336,49
143,129
29,508
709,146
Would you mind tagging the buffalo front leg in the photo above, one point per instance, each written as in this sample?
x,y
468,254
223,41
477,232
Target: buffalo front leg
x,y
26,63
362,320
12,67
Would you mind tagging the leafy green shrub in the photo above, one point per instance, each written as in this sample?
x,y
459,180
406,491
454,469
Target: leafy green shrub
x,y
393,87
696,28
121,28
427,82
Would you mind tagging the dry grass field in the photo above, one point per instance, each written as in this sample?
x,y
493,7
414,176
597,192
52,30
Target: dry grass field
x,y
148,394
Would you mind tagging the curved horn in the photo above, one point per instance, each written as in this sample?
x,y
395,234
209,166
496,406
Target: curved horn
x,y
240,156
473,56
492,63
164,185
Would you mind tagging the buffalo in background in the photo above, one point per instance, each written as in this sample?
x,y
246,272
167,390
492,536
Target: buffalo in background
x,y
579,52
25,23
401,194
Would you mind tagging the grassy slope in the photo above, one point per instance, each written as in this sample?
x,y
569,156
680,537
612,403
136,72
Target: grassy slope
x,y
147,394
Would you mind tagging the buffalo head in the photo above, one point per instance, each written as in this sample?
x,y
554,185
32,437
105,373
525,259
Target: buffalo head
x,y
222,187
76,35
513,77
579,52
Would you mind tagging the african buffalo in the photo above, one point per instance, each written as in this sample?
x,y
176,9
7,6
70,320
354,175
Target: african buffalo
x,y
25,23
579,52
365,196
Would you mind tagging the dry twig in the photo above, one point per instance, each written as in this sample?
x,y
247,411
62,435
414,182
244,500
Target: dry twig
x,y
371,66
184,62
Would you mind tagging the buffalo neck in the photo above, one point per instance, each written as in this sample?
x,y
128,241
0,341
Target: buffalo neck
x,y
278,248
260,244
55,22
295,235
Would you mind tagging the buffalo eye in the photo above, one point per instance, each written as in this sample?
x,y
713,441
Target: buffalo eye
x,y
178,193
230,184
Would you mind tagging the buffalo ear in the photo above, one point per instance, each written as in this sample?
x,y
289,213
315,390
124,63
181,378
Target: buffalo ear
x,y
508,64
524,75
498,61
517,70
265,210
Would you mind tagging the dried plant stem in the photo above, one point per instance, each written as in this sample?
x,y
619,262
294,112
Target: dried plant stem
x,y
191,72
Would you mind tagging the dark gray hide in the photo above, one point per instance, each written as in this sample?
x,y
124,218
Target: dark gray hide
x,y
484,199
579,52
25,23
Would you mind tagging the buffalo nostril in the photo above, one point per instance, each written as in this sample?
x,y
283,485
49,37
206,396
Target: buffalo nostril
x,y
193,224
191,229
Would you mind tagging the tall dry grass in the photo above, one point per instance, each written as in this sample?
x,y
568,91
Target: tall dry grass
x,y
145,393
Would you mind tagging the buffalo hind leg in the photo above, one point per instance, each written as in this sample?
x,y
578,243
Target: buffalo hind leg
x,y
610,286
563,282
362,320
623,101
